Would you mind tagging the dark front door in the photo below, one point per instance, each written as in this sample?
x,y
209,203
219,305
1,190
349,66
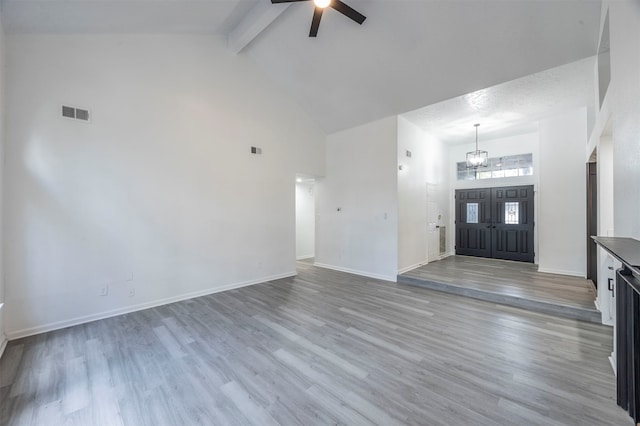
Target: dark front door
x,y
495,222
473,222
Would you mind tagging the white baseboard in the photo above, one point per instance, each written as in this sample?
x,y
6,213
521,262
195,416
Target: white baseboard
x,y
414,266
139,307
3,338
578,274
612,361
3,344
305,256
356,272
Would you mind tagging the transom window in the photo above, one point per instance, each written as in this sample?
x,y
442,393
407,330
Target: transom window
x,y
498,167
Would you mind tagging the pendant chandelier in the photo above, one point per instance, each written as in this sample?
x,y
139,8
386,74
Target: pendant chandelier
x,y
477,158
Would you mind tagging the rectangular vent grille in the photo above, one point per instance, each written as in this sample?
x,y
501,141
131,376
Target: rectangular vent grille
x,y
68,112
82,114
443,239
76,113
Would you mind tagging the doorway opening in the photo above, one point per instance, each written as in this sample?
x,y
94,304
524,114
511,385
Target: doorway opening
x,y
436,246
305,218
496,223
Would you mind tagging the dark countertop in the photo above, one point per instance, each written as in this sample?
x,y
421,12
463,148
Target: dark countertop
x,y
626,250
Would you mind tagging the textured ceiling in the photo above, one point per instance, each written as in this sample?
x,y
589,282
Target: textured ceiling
x,y
509,108
407,54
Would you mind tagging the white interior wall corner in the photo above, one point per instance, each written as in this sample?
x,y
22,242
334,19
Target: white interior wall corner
x,y
357,214
427,168
168,199
562,194
624,24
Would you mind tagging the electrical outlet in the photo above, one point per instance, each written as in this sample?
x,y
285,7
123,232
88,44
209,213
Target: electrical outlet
x,y
132,291
103,291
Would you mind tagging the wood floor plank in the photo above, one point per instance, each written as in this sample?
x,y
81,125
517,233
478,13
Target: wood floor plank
x,y
324,347
510,278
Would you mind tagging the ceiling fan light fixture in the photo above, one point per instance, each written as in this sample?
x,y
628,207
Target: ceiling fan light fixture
x,y
320,6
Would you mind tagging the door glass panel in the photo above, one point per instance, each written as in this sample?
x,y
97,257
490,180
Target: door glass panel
x,y
472,212
511,213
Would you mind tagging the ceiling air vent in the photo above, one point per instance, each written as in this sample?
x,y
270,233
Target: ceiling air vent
x,y
76,113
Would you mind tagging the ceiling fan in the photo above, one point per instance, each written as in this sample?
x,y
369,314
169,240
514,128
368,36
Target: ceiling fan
x,y
321,5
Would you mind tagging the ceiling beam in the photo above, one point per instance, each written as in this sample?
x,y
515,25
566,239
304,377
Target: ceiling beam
x,y
258,18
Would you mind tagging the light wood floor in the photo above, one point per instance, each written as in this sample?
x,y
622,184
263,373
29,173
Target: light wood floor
x,y
322,348
509,278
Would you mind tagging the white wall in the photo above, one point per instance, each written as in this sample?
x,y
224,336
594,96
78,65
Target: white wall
x,y
562,194
159,193
605,186
426,168
625,91
361,181
305,220
412,196
2,143
605,300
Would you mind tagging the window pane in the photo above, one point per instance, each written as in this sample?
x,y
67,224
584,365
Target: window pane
x,y
526,171
511,213
472,212
498,167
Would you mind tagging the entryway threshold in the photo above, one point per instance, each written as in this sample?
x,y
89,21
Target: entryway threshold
x,y
563,311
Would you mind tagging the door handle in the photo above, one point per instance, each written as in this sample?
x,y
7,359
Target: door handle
x,y
610,286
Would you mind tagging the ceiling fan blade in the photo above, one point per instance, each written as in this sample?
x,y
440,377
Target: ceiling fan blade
x,y
347,11
315,23
285,1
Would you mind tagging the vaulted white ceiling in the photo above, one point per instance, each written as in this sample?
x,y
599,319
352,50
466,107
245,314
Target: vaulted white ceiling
x,y
408,53
123,16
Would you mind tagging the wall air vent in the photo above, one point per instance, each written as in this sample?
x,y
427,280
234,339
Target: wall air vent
x,y
68,112
75,113
82,114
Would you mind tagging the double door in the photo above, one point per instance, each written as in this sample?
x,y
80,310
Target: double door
x,y
495,222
